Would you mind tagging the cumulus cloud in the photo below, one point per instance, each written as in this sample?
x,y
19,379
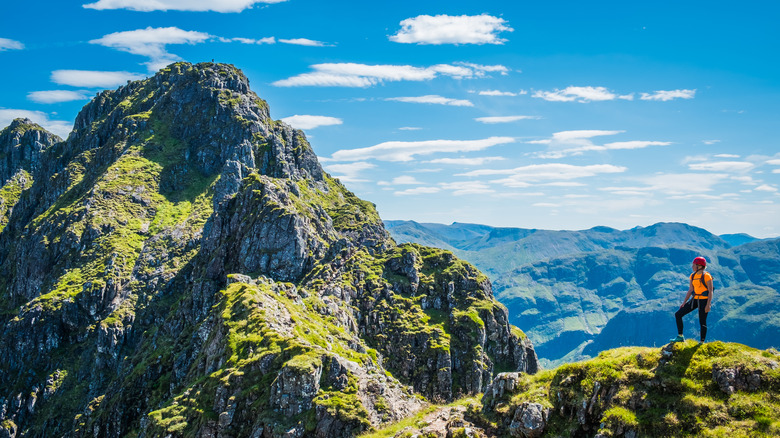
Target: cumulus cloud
x,y
56,96
449,29
59,127
434,99
407,150
151,42
775,162
722,166
93,79
667,95
311,122
579,94
177,5
363,75
7,44
478,161
505,119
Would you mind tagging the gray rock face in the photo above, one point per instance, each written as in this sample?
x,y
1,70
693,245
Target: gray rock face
x,y
529,420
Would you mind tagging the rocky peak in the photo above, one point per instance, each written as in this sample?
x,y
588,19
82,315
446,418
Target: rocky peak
x,y
21,146
187,256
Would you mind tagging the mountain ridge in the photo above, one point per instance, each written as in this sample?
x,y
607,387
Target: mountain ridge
x,y
182,265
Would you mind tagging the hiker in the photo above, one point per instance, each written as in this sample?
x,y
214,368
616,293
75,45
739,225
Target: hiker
x,y
700,287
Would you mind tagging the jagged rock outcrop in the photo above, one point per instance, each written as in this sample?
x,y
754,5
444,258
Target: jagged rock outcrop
x,y
181,265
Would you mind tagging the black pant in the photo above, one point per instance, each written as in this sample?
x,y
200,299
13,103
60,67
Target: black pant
x,y
689,307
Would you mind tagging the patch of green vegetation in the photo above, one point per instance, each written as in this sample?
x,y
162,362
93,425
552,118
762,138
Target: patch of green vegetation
x,y
10,193
634,389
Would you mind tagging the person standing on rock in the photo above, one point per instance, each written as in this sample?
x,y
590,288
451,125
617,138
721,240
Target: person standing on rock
x,y
700,289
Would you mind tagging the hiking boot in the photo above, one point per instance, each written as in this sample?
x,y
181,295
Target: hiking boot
x,y
679,338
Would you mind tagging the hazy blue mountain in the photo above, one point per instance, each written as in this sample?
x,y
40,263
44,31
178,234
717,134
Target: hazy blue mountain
x,y
576,293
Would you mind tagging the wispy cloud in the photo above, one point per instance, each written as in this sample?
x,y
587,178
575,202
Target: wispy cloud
x,y
418,191
403,180
775,162
409,128
478,161
56,96
59,127
434,99
93,79
311,122
304,42
722,166
260,41
667,95
766,188
7,44
349,172
151,42
500,93
580,94
461,188
449,29
177,5
566,143
524,176
505,119
406,151
364,75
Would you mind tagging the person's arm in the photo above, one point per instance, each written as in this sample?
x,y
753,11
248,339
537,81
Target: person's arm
x,y
690,292
711,289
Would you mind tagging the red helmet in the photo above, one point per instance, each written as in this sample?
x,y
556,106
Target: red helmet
x,y
700,261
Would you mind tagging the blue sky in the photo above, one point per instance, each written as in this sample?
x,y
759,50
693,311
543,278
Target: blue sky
x,y
553,115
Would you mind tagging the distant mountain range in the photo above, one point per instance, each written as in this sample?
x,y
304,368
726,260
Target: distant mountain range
x,y
576,293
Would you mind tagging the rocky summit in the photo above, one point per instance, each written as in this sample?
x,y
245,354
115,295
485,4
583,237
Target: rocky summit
x,y
181,265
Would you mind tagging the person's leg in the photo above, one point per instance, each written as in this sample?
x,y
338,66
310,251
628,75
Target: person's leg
x,y
684,310
703,320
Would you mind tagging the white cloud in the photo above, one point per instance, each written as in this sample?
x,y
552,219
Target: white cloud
x,y
93,79
439,100
579,94
710,142
568,143
151,42
7,44
56,96
546,204
267,40
467,188
722,166
406,180
177,5
350,74
349,172
310,122
497,93
775,162
406,151
683,183
505,119
466,161
419,191
59,127
523,176
409,128
667,95
303,42
766,188
449,29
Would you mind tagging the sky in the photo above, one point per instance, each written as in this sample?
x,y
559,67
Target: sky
x,y
544,114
